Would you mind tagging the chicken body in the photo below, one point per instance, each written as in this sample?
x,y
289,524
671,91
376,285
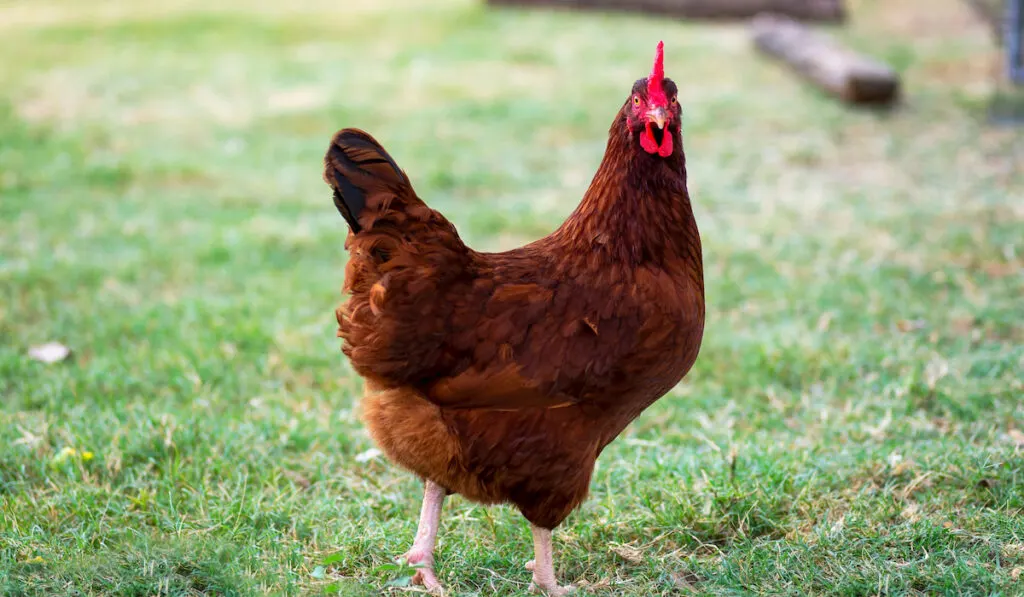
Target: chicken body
x,y
502,376
553,366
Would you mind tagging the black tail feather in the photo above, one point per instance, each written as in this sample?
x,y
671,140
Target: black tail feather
x,y
353,167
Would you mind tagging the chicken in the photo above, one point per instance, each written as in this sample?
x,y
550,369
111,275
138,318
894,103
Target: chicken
x,y
502,376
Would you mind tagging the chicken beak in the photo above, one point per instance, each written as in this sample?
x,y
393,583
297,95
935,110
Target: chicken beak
x,y
658,116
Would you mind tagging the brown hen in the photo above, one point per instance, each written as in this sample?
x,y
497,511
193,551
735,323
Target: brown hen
x,y
502,376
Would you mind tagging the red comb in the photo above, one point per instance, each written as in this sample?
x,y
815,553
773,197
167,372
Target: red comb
x,y
655,94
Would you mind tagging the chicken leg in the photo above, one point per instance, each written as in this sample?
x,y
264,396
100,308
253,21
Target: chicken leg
x,y
543,566
422,551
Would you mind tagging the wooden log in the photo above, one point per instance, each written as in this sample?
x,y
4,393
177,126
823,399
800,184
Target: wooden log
x,y
852,77
804,10
992,12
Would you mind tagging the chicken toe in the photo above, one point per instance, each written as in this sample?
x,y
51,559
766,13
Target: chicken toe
x,y
424,576
428,580
556,590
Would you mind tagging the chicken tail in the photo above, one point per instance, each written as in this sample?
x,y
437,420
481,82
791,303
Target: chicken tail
x,y
365,178
403,256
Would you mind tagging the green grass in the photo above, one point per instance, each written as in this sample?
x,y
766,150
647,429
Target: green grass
x,y
852,427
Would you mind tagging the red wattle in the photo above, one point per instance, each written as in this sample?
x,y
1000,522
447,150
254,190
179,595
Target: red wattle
x,y
650,146
666,145
647,141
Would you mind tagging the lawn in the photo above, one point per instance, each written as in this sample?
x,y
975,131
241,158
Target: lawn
x,y
854,424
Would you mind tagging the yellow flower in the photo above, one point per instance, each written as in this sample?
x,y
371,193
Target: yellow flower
x,y
67,451
86,455
35,560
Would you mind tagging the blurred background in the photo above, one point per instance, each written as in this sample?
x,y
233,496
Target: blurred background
x,y
854,424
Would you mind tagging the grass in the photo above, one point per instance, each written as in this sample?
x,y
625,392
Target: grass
x,y
853,425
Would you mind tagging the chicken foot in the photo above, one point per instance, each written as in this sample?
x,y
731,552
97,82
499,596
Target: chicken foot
x,y
543,566
422,551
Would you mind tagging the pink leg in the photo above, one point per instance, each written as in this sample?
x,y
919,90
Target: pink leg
x,y
422,551
543,565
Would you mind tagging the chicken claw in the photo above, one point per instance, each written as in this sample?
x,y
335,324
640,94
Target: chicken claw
x,y
422,551
555,591
426,578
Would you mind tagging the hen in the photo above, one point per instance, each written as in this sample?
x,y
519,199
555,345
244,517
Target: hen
x,y
502,376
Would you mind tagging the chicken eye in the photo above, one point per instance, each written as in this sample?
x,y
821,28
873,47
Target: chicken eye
x,y
673,100
636,100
